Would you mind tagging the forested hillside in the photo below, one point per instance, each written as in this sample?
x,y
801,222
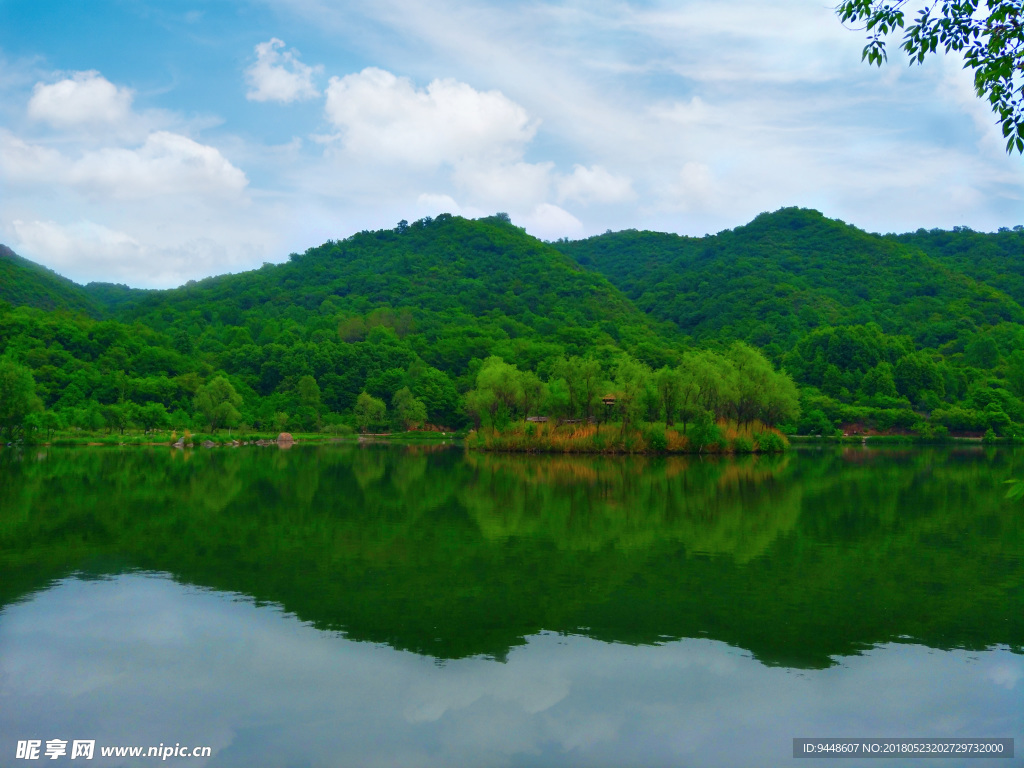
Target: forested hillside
x,y
417,308
890,332
451,321
786,273
25,283
996,259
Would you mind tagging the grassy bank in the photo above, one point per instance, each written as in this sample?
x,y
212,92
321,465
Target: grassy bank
x,y
721,438
169,438
234,437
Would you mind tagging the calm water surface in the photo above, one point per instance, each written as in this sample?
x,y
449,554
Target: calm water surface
x,y
387,606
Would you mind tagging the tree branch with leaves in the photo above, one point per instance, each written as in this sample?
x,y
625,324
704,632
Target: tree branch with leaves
x,y
988,33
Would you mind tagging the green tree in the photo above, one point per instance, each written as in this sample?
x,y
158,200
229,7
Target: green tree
x,y
369,411
879,381
17,397
590,381
988,33
568,370
408,410
309,397
669,382
116,416
531,393
689,390
916,374
153,416
437,392
51,421
218,402
782,400
631,379
480,406
1015,373
504,382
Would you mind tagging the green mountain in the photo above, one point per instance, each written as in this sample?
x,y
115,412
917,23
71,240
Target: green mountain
x,y
996,259
786,273
914,332
116,297
419,306
25,283
454,288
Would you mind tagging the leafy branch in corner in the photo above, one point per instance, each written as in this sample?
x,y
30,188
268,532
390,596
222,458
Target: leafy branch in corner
x,y
988,33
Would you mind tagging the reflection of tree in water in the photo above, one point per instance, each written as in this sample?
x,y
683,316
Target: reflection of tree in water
x,y
719,506
797,558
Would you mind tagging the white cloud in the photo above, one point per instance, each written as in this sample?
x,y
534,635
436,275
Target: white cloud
x,y
388,119
85,250
549,222
167,163
695,188
514,185
431,204
65,247
84,98
278,75
21,162
595,185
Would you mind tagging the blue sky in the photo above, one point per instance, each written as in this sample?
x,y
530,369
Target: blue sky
x,y
156,142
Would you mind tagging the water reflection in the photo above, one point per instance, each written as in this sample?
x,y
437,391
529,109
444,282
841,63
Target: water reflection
x,y
797,559
140,659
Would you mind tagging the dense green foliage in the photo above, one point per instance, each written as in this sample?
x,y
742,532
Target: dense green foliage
x,y
911,333
25,283
416,308
996,259
885,333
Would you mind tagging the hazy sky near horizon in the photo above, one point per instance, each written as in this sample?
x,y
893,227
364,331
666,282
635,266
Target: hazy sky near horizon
x,y
155,142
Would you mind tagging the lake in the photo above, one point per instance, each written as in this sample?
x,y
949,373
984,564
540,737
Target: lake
x,y
384,605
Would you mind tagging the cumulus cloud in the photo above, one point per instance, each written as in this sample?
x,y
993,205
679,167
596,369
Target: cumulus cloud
x,y
85,250
167,163
695,188
84,98
513,185
432,204
21,162
278,75
595,185
85,240
549,222
387,118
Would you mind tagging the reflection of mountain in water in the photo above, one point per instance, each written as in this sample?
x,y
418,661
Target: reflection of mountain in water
x,y
797,558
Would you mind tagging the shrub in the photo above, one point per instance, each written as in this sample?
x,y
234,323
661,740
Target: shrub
x,y
654,436
742,445
769,442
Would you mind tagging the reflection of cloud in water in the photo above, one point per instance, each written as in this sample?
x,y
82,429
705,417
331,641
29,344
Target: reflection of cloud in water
x,y
140,659
1006,675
